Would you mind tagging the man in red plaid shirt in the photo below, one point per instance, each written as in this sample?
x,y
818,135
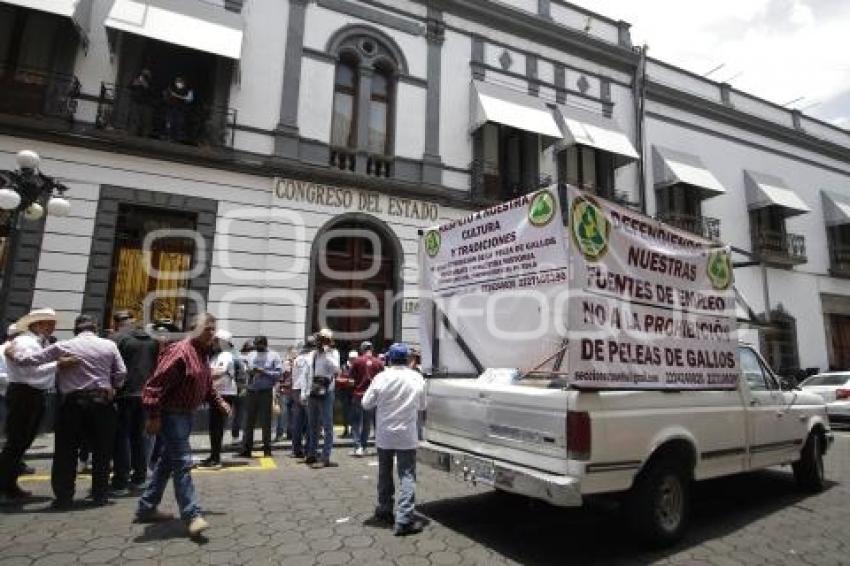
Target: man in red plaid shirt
x,y
181,382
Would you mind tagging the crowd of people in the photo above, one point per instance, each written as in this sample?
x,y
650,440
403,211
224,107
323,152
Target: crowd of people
x,y
130,400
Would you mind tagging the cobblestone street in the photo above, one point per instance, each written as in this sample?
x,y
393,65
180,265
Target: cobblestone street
x,y
280,512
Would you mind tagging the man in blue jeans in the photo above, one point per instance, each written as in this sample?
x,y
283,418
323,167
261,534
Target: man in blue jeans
x,y
181,381
319,395
397,394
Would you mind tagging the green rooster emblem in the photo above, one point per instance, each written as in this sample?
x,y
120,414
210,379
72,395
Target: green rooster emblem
x,y
590,229
719,269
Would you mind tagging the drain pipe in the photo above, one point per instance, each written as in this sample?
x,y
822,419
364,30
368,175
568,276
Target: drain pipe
x,y
639,95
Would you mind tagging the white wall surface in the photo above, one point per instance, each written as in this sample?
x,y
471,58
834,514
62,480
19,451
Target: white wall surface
x,y
411,105
315,103
455,144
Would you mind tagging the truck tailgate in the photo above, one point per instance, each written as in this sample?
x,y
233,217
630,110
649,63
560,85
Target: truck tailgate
x,y
519,424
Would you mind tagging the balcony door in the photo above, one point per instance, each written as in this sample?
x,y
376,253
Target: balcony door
x,y
152,283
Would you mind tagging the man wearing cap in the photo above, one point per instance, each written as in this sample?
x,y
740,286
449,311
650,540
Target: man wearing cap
x,y
223,369
26,397
139,350
397,394
180,383
86,411
363,371
265,368
319,394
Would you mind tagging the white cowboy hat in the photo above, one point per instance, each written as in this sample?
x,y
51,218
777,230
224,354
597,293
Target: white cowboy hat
x,y
35,315
224,335
326,333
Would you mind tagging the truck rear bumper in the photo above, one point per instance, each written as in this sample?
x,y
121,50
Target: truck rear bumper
x,y
562,491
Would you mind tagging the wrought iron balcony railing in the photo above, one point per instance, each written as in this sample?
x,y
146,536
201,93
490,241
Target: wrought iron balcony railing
x,y
493,186
704,226
119,108
33,92
781,248
345,158
839,255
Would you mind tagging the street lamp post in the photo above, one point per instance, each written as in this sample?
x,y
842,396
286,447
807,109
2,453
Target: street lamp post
x,y
24,194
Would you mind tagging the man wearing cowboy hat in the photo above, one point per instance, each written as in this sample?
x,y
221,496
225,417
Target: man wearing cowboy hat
x,y
86,412
320,393
26,398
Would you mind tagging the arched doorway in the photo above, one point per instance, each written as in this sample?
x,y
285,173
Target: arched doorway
x,y
355,278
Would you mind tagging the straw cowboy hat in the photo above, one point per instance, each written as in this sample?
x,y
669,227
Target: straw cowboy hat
x,y
35,315
326,333
224,336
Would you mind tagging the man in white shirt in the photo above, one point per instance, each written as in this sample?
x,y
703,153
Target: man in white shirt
x,y
320,405
398,393
301,368
223,369
26,398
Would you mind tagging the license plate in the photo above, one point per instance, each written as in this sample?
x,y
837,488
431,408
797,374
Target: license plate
x,y
477,470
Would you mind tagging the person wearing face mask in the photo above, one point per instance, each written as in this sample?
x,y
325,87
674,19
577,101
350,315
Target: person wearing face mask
x,y
178,99
265,369
320,393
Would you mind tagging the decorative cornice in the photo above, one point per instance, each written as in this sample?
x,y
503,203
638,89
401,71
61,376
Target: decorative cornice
x,y
729,115
540,30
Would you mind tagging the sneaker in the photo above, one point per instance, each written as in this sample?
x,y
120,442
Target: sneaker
x,y
153,516
209,464
358,452
409,529
380,520
197,526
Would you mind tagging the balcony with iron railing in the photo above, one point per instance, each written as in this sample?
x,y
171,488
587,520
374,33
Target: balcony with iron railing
x,y
839,259
704,226
38,93
779,249
197,124
488,184
346,158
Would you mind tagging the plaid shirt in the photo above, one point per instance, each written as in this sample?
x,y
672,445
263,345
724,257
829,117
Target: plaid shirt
x,y
181,381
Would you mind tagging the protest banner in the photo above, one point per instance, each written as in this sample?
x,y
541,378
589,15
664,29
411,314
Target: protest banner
x,y
651,306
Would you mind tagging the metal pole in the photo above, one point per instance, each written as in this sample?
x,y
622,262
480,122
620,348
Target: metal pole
x,y
12,244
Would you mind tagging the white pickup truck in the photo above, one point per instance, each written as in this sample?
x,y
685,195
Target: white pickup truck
x,y
546,440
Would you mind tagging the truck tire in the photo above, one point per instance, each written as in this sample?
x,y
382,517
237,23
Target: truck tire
x,y
658,505
808,470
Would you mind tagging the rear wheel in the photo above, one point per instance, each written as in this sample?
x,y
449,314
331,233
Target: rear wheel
x,y
808,470
658,505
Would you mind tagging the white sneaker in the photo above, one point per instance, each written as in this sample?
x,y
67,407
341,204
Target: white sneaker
x,y
197,526
359,452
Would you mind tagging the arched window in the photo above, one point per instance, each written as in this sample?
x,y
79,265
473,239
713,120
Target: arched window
x,y
368,66
344,132
379,113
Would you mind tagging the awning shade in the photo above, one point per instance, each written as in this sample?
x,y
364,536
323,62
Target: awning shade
x,y
583,127
196,25
78,10
493,103
836,208
672,167
766,190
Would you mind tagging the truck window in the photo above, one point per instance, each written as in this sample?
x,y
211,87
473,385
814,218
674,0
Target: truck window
x,y
752,371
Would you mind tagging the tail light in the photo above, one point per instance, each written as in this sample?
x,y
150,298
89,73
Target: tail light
x,y
842,394
578,435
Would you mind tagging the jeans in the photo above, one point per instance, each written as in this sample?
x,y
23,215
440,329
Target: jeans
x,y
259,406
26,407
345,404
237,420
217,422
299,425
82,417
283,421
131,444
362,423
320,414
175,462
406,462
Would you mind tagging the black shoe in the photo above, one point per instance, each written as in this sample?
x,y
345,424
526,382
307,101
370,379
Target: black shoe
x,y
329,464
61,504
17,493
210,464
267,453
409,529
243,454
26,470
380,520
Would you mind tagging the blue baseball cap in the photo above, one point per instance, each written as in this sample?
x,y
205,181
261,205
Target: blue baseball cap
x,y
398,353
